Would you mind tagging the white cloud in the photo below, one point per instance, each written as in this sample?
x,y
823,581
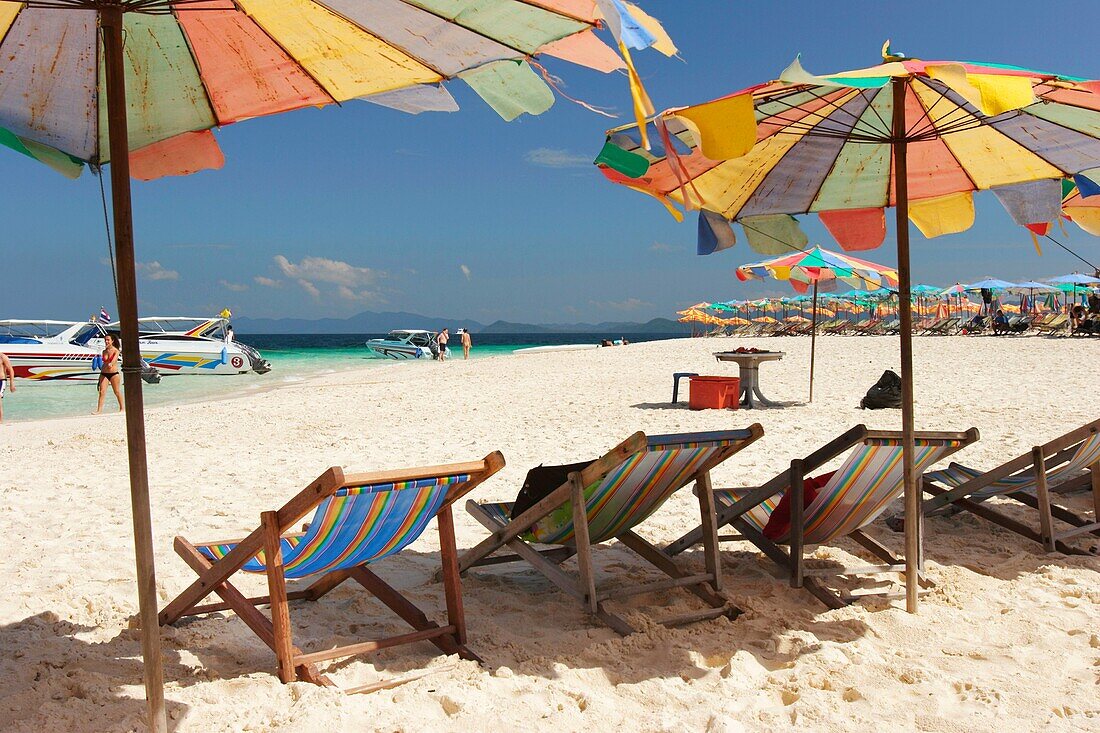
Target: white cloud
x,y
351,282
235,287
267,282
465,271
155,271
630,304
310,288
557,158
321,269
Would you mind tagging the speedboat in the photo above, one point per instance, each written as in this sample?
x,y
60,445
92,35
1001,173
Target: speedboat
x,y
406,344
48,351
184,345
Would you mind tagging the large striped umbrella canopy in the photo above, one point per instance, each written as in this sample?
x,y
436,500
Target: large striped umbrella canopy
x,y
140,83
822,144
192,65
918,135
823,268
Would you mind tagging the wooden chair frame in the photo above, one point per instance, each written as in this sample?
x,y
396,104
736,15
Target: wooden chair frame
x,y
1039,459
707,586
793,560
293,663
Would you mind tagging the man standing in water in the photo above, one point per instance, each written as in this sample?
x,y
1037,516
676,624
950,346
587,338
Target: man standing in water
x,y
7,380
464,334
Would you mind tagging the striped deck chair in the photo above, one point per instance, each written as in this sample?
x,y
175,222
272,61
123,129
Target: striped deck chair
x,y
860,490
607,500
1069,462
358,519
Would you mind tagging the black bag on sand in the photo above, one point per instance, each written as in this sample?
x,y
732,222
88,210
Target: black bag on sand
x,y
885,393
540,482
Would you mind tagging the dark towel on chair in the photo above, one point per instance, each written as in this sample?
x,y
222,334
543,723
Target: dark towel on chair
x,y
540,482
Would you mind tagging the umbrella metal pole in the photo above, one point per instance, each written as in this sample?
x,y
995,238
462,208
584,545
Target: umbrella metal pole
x,y
813,342
913,514
110,19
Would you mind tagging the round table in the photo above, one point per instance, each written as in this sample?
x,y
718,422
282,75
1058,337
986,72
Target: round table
x,y
749,366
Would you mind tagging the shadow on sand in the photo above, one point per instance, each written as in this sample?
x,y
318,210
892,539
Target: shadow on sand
x,y
54,680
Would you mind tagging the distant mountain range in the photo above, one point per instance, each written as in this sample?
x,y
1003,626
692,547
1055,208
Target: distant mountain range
x,y
370,322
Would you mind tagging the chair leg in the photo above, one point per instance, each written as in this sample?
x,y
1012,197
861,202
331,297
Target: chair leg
x,y
882,552
663,562
452,584
583,544
276,588
1094,479
408,611
709,523
797,524
245,611
1046,522
785,562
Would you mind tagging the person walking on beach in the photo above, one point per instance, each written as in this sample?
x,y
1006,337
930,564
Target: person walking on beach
x,y
467,342
109,373
7,380
442,339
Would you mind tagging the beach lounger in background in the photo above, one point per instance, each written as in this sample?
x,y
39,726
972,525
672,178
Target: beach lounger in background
x,y
945,327
358,519
607,500
1066,463
857,493
1056,325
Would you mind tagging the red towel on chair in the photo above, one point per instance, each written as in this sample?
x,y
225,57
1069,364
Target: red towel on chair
x,y
779,523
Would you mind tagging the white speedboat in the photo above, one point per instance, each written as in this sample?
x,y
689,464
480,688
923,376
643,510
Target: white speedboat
x,y
51,350
48,351
183,345
406,344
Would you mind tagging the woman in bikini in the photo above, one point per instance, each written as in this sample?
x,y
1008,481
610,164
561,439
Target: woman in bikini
x,y
108,373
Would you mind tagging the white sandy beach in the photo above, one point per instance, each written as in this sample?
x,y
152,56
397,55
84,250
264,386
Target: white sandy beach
x,y
1009,636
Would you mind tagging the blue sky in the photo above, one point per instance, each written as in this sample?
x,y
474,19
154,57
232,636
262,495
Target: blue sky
x,y
464,215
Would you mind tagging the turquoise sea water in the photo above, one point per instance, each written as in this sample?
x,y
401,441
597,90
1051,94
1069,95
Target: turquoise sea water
x,y
293,358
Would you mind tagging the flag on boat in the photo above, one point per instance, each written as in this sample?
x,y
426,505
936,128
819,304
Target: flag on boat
x,y
104,316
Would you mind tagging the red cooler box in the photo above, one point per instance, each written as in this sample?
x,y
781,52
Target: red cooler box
x,y
714,393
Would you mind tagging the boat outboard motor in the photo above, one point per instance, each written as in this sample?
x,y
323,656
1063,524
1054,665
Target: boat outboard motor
x,y
149,373
259,364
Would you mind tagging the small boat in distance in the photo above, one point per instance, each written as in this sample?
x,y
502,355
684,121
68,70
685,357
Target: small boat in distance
x,y
409,343
50,351
185,345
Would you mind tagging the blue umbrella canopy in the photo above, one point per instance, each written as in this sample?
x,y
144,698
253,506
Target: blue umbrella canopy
x,y
1075,278
1031,285
990,284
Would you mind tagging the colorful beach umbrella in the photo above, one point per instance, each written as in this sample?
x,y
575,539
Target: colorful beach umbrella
x,y
815,267
918,135
193,65
822,267
140,84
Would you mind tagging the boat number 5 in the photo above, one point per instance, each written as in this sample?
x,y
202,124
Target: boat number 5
x,y
237,362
